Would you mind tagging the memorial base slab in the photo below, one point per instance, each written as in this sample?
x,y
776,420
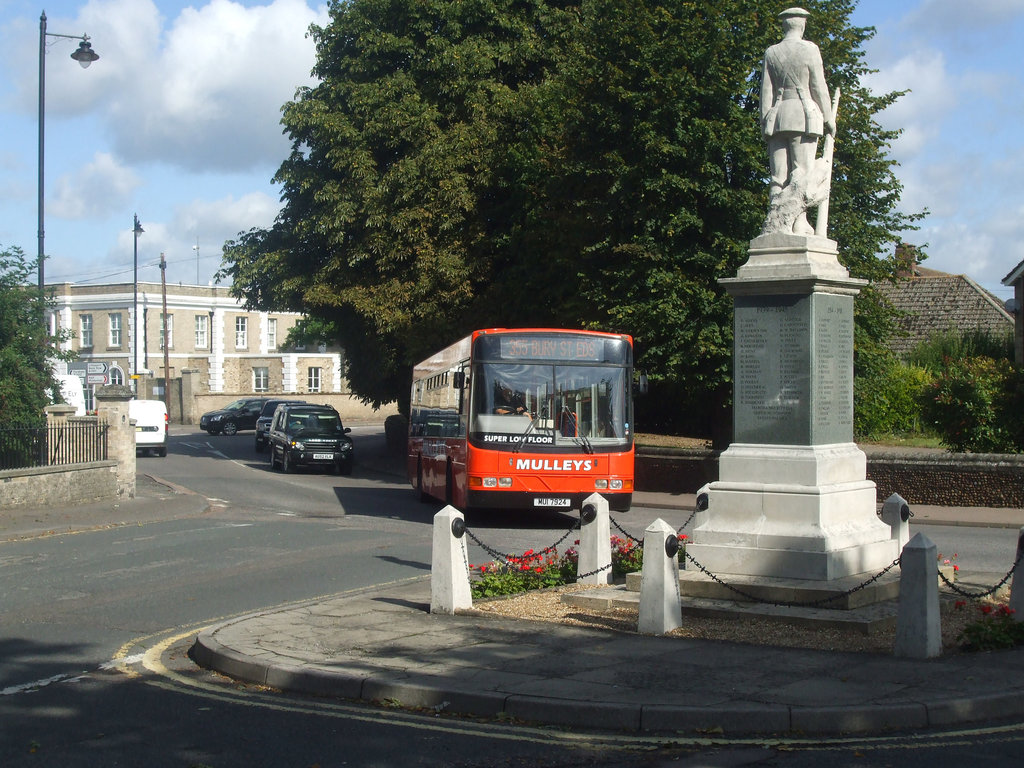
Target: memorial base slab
x,y
793,512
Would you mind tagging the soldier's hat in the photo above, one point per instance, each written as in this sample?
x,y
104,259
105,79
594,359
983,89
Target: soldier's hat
x,y
794,12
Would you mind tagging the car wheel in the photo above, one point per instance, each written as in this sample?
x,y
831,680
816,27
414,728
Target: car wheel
x,y
259,447
229,428
286,465
345,467
162,452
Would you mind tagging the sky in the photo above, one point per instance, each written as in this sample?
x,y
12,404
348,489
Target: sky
x,y
178,122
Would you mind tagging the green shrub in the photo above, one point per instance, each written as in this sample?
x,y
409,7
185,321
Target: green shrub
x,y
938,349
888,401
970,405
995,630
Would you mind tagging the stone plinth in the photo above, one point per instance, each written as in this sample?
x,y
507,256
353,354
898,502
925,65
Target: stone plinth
x,y
793,499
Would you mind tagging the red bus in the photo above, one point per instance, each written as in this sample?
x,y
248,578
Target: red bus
x,y
524,418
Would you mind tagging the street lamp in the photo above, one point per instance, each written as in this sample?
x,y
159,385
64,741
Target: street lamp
x,y
85,56
136,230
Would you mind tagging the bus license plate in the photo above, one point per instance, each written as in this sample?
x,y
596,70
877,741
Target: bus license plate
x,y
323,456
552,502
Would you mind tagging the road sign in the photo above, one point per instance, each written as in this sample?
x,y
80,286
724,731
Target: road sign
x,y
96,378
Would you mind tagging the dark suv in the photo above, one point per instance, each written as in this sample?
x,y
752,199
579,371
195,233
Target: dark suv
x,y
241,414
267,416
309,436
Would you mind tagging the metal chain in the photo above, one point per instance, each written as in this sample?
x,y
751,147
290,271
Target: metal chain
x,y
991,590
791,603
593,572
625,533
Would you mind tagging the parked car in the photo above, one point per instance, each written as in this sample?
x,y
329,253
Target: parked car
x,y
267,416
150,426
309,436
241,414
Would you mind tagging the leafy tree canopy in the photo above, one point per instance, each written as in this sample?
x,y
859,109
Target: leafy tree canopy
x,y
534,162
26,351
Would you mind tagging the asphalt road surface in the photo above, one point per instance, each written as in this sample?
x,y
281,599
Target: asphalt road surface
x,y
94,627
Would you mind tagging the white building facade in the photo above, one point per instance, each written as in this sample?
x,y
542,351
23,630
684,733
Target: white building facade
x,y
223,350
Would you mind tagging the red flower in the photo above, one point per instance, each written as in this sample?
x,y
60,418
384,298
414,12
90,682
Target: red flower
x,y
986,609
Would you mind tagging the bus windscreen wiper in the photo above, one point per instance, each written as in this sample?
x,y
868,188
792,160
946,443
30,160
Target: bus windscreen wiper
x,y
522,438
579,436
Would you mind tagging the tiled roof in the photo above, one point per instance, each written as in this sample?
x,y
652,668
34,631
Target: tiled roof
x,y
936,302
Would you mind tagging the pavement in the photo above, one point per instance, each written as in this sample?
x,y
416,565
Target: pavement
x,y
382,645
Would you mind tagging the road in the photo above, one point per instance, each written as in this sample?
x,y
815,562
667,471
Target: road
x,y
82,611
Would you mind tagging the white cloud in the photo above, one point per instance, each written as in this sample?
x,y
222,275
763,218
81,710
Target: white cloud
x,y
101,188
210,98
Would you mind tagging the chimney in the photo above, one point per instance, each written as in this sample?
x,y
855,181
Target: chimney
x,y
906,260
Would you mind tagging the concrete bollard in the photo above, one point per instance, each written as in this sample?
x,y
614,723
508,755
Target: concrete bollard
x,y
1017,590
659,588
595,542
449,564
918,630
896,514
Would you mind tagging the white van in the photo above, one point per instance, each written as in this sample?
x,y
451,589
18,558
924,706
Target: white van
x,y
72,391
150,425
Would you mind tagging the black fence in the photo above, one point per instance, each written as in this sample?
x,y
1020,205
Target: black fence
x,y
25,446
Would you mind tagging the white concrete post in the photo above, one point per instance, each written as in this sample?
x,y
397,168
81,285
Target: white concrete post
x,y
896,514
1017,590
918,631
659,588
449,564
595,542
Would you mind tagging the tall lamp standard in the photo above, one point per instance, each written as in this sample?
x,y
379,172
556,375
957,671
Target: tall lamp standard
x,y
85,56
136,230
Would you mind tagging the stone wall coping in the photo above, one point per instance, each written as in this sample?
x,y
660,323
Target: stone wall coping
x,y
55,469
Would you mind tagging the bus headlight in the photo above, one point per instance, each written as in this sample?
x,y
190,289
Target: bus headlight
x,y
490,482
601,484
615,485
505,482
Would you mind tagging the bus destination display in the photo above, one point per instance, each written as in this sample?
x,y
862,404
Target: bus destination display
x,y
552,348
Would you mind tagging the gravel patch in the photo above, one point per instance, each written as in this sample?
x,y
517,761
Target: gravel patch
x,y
546,606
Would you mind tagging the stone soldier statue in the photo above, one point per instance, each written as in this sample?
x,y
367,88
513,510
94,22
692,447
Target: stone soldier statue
x,y
795,112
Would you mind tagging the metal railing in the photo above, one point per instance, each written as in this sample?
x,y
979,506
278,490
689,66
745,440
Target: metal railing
x,y
24,446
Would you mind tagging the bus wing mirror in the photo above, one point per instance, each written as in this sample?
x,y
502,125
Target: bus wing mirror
x,y
641,384
459,380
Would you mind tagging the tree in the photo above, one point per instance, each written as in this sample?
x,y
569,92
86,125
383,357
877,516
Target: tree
x,y
512,162
27,384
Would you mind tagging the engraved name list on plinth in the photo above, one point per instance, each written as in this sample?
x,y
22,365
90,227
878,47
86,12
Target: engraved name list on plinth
x,y
793,385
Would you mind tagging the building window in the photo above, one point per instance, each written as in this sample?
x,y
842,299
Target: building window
x,y
260,379
90,399
272,333
116,376
170,331
202,329
241,333
313,379
85,328
115,329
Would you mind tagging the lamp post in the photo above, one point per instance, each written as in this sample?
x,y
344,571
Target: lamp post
x,y
136,231
85,56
